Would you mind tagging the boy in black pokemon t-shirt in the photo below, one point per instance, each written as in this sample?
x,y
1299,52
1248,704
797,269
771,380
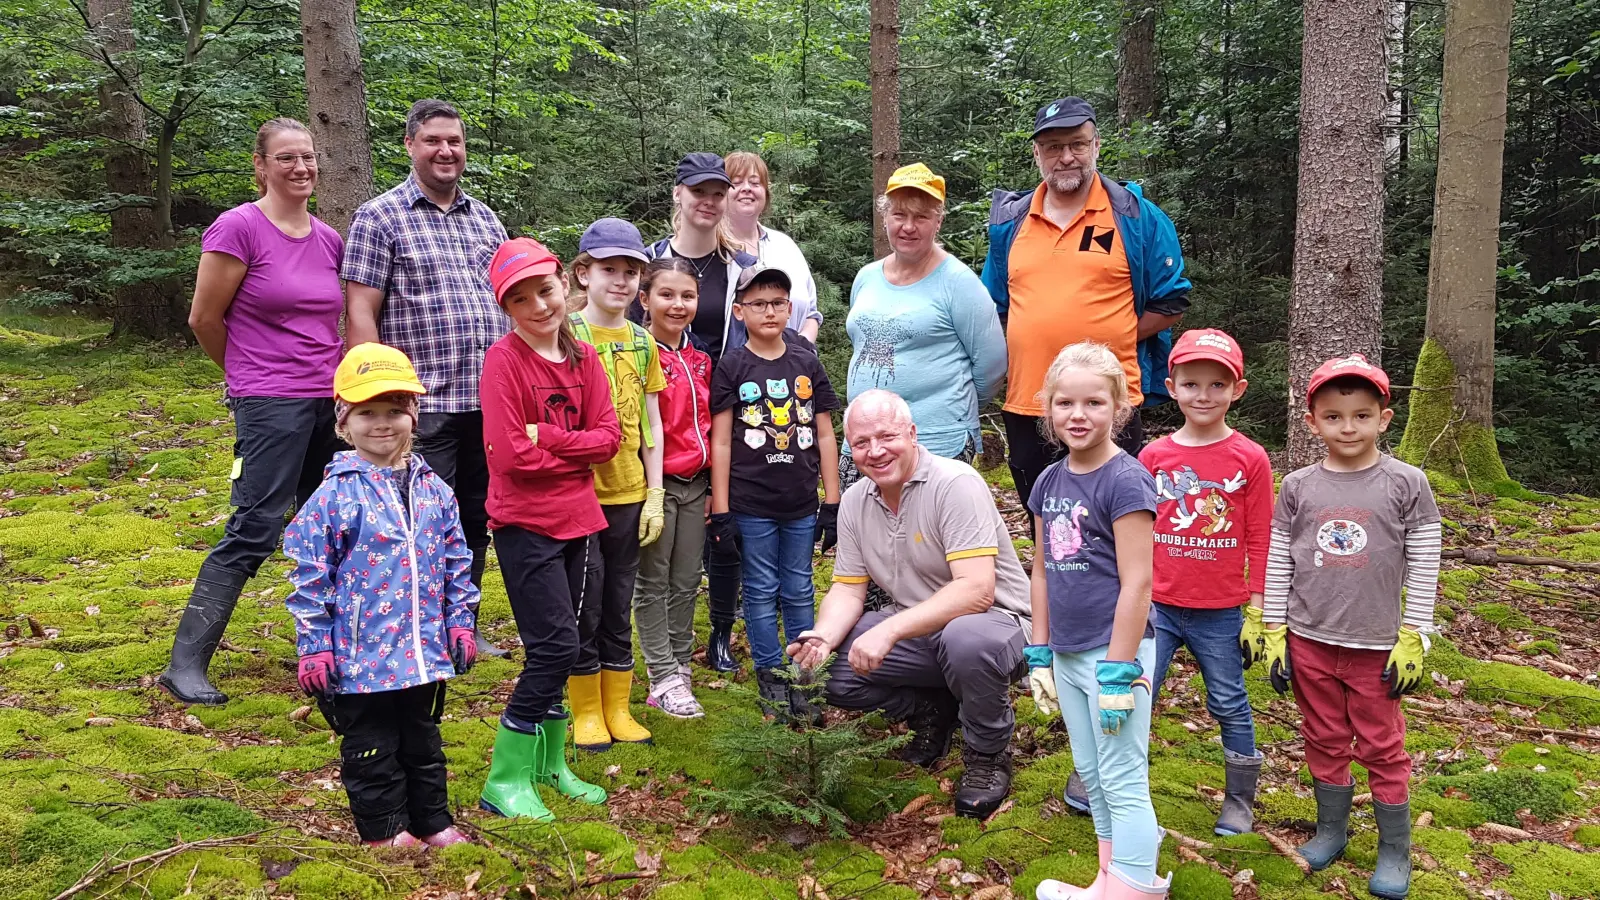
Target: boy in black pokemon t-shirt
x,y
771,438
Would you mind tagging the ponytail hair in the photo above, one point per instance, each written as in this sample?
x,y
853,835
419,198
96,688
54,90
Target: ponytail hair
x,y
264,136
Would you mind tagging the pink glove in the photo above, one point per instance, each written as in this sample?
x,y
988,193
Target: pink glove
x,y
463,649
318,674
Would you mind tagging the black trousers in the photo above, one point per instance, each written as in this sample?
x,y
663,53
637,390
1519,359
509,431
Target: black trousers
x,y
722,589
605,616
1031,454
545,583
452,443
393,764
280,447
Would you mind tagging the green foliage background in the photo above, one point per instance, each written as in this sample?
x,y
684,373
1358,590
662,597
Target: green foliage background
x,y
580,108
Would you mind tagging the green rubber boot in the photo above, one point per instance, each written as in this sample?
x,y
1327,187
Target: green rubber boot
x,y
553,770
510,790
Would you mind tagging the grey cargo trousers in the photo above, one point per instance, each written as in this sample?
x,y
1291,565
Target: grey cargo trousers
x,y
976,657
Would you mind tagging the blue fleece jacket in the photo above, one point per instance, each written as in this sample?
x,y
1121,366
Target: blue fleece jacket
x,y
1155,263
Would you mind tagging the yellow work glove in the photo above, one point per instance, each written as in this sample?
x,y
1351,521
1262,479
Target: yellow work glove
x,y
1275,653
1250,651
1403,673
654,516
533,433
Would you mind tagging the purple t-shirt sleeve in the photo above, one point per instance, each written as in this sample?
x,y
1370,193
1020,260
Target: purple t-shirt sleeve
x,y
230,234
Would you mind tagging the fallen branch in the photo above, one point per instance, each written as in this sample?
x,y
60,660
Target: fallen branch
x,y
1283,847
608,877
1491,556
96,873
1556,664
1525,729
1185,841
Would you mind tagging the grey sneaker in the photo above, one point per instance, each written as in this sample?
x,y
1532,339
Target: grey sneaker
x,y
672,696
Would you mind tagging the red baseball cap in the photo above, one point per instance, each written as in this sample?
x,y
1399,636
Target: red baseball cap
x,y
1208,343
517,259
1355,364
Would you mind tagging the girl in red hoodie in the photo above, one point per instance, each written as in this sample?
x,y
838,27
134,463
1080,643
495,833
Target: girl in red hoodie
x,y
547,419
669,569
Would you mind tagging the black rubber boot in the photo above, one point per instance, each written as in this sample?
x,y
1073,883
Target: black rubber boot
x,y
1391,877
774,694
216,592
985,783
1075,795
480,558
719,650
1238,802
932,723
1333,825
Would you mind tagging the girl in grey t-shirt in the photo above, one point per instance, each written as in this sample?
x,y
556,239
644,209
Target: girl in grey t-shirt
x,y
1093,643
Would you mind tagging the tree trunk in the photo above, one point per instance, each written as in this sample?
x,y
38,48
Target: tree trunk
x,y
1136,63
1451,427
336,104
148,309
1336,293
883,66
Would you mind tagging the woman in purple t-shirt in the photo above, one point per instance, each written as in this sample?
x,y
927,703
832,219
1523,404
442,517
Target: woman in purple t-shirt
x,y
266,309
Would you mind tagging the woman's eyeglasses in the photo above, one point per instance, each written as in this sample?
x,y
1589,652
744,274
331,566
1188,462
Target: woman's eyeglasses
x,y
287,160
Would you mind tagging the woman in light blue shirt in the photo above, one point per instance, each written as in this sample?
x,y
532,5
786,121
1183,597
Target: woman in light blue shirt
x,y
922,325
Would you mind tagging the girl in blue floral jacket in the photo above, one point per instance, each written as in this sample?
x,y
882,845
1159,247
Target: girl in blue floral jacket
x,y
384,604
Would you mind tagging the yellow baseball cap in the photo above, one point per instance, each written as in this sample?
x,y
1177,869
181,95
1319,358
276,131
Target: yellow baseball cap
x,y
917,176
371,369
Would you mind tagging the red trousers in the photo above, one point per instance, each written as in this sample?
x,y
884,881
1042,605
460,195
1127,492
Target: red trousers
x,y
1343,701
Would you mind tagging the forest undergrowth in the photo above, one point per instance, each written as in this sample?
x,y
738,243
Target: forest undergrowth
x,y
113,483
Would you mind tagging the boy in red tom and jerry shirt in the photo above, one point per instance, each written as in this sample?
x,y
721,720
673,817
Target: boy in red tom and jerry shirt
x,y
1212,530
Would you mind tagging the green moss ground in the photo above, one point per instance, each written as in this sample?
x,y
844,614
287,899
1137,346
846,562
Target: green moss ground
x,y
114,485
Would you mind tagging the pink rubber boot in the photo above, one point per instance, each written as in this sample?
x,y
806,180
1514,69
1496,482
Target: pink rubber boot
x,y
403,839
445,838
1050,889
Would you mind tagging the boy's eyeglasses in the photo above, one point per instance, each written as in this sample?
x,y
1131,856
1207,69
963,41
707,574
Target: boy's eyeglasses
x,y
762,306
287,160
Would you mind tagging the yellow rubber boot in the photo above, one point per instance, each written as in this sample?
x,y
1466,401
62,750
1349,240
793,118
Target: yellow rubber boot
x,y
588,721
614,688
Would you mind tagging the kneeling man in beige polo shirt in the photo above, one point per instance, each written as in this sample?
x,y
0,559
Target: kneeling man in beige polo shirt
x,y
926,530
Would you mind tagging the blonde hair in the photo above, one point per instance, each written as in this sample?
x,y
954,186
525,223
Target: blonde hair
x,y
577,291
727,247
740,163
909,198
1096,359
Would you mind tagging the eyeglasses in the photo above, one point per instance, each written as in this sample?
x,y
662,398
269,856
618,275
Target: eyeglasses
x,y
762,306
1078,148
287,160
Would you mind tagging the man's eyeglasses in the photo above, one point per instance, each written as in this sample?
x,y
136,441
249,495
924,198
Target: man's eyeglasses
x,y
287,160
762,306
1079,148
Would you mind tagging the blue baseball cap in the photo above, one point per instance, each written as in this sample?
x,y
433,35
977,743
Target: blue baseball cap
x,y
610,237
1068,112
701,166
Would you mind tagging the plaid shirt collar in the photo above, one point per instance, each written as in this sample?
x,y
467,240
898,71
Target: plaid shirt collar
x,y
412,192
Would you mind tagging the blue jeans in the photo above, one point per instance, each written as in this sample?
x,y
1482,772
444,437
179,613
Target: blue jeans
x,y
1212,636
1115,768
775,566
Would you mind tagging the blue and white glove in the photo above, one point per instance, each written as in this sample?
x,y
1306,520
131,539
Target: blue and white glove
x,y
1041,678
1117,680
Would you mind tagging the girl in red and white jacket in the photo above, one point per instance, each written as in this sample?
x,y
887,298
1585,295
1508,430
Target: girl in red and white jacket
x,y
669,569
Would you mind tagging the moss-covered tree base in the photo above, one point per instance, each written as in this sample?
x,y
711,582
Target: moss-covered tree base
x,y
1437,439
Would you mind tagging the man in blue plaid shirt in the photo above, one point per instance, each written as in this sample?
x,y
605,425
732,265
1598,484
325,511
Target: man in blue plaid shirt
x,y
416,272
